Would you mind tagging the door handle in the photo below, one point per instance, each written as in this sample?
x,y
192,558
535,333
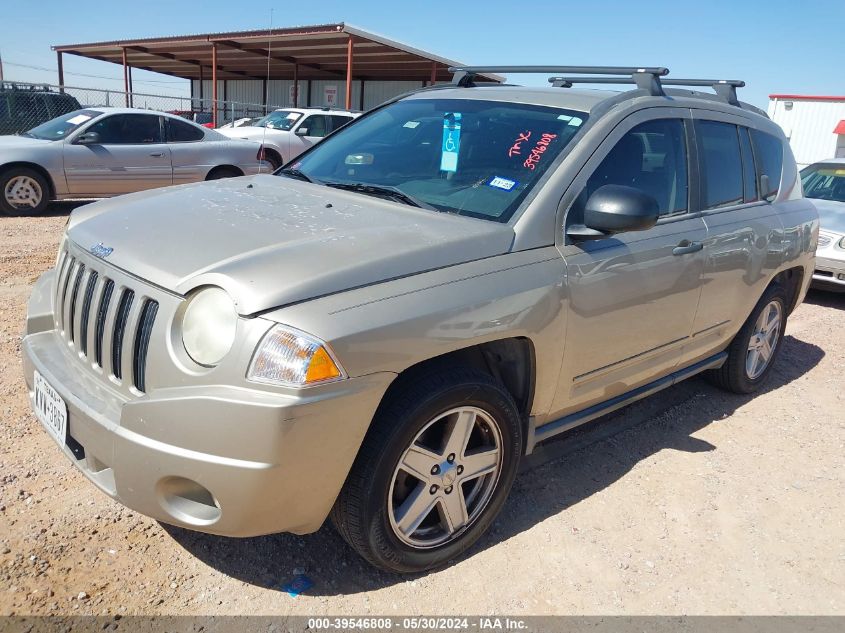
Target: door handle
x,y
686,247
157,154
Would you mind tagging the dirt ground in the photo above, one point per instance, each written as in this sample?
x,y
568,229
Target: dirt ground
x,y
691,502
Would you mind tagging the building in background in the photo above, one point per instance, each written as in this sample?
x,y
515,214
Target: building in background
x,y
325,65
814,125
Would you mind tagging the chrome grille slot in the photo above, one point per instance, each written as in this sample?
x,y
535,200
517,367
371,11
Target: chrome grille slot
x,y
77,280
121,317
86,312
142,344
108,289
824,240
107,319
64,279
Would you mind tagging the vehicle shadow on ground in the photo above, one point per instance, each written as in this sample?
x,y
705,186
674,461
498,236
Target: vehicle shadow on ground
x,y
826,299
666,420
63,207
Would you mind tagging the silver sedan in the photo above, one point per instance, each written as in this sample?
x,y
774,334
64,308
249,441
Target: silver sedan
x,y
103,152
824,183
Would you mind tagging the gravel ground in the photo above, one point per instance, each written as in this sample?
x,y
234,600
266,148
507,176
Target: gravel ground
x,y
691,502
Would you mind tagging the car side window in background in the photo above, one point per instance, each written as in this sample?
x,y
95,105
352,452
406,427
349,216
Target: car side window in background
x,y
339,121
749,173
181,132
768,150
128,129
316,124
721,164
652,157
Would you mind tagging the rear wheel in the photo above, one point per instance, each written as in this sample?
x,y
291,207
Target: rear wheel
x,y
23,192
433,472
752,353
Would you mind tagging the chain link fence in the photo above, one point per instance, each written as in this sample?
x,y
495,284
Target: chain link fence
x,y
23,106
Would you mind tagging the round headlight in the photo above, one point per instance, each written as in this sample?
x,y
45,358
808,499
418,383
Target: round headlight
x,y
208,326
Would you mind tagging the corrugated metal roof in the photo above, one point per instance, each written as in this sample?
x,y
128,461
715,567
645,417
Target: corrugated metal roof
x,y
319,51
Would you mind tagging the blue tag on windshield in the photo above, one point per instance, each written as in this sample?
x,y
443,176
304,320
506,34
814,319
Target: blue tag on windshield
x,y
451,142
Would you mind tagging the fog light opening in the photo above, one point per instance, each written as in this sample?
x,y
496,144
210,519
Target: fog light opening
x,y
188,501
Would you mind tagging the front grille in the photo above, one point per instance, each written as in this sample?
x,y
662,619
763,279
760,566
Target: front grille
x,y
99,317
824,240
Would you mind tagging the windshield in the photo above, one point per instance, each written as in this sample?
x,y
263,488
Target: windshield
x,y
278,120
826,182
470,157
60,127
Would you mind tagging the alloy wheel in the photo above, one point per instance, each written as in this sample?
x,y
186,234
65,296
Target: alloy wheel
x,y
23,192
445,478
764,340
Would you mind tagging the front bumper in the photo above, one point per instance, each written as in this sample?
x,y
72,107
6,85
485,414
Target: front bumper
x,y
830,273
219,459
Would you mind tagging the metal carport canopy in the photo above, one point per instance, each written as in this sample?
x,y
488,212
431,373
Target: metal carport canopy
x,y
326,51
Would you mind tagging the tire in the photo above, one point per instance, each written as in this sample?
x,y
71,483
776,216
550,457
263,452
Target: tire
x,y
368,513
218,173
28,187
741,373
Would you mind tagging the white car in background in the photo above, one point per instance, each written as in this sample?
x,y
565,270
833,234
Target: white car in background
x,y
287,132
238,123
103,152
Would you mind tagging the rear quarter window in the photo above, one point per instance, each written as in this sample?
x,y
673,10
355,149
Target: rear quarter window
x,y
768,150
181,132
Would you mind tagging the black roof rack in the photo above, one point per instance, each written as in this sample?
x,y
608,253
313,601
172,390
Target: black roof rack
x,y
724,88
646,78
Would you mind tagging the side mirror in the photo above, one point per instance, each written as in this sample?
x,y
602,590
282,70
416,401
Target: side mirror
x,y
615,209
301,131
88,138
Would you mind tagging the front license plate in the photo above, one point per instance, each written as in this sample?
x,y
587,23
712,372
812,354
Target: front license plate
x,y
50,409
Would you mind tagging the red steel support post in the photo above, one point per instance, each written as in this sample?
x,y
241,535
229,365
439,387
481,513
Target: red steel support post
x,y
214,84
125,78
349,73
61,70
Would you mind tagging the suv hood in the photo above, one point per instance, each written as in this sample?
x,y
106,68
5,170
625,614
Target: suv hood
x,y
270,241
831,214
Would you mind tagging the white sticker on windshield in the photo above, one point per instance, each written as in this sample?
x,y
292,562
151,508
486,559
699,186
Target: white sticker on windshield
x,y
575,121
79,119
505,184
411,124
564,117
292,115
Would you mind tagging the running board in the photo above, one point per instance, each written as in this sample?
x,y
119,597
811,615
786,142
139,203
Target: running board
x,y
566,423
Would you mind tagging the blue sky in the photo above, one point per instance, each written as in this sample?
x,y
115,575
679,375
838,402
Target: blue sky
x,y
775,46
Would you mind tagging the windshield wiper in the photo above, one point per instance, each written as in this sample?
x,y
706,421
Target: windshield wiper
x,y
386,191
295,173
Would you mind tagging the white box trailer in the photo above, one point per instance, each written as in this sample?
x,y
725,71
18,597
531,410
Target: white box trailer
x,y
814,125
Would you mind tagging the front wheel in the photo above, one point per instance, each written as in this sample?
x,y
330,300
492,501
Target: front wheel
x,y
23,192
432,473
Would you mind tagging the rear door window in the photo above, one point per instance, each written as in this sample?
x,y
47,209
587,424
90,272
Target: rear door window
x,y
339,121
721,164
768,150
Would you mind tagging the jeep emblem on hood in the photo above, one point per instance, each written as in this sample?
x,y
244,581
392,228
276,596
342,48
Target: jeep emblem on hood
x,y
101,251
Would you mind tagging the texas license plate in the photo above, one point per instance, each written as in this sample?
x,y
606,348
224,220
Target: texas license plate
x,y
50,409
